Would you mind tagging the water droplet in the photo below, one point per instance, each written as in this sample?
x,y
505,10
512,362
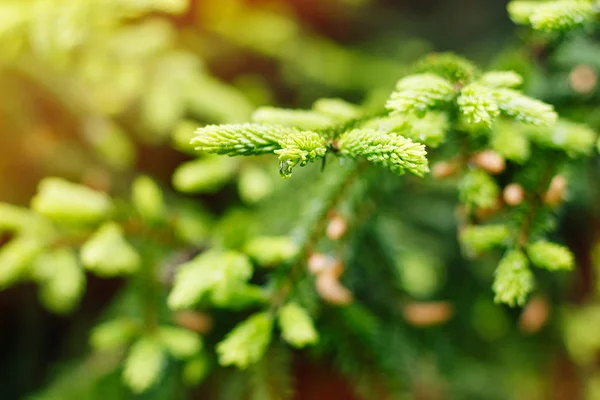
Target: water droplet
x,y
285,168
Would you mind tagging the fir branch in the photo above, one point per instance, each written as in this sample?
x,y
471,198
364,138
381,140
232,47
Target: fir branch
x,y
313,223
572,138
430,130
297,327
144,364
510,142
271,251
67,202
513,279
521,11
550,256
338,109
452,67
62,282
16,256
300,148
553,16
241,139
204,175
501,79
247,342
535,203
478,239
179,342
419,93
113,334
220,273
478,105
107,253
391,151
524,108
478,189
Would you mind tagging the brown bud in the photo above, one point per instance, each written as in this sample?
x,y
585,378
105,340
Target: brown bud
x,y
444,169
337,227
331,290
317,263
556,191
535,315
194,321
513,194
336,268
583,79
427,313
490,161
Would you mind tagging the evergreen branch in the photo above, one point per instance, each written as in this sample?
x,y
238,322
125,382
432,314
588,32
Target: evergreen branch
x,y
535,203
107,253
64,201
211,273
247,342
521,11
524,108
241,139
478,105
300,148
570,137
316,212
510,142
501,79
179,342
338,109
391,151
478,239
204,175
418,93
61,280
513,279
550,256
113,334
297,327
270,251
16,256
553,16
452,67
478,189
311,228
429,130
144,364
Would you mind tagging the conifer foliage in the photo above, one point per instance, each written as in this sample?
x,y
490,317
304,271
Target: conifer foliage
x,y
231,275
